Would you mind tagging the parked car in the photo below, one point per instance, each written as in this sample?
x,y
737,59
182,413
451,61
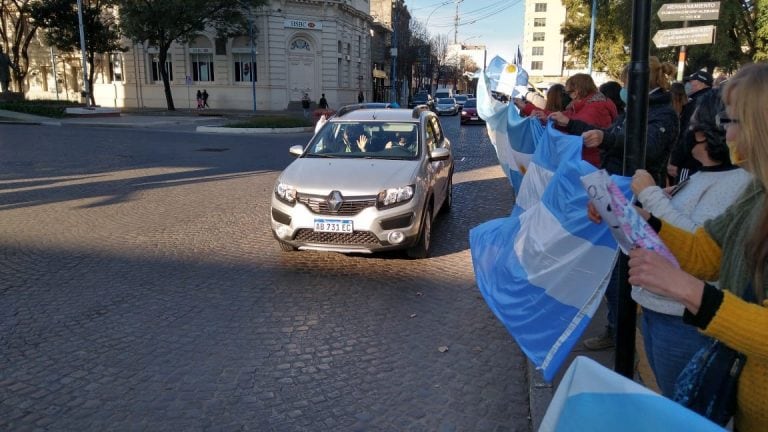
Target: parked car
x,y
443,93
469,112
460,99
447,105
369,180
422,99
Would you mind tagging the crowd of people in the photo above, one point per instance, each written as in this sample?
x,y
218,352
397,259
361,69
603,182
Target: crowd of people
x,y
703,189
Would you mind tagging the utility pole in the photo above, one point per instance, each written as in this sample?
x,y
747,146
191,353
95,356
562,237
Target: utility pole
x,y
683,53
592,36
253,58
456,24
82,50
393,52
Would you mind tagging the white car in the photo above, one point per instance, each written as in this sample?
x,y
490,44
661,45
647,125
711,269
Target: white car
x,y
447,105
370,180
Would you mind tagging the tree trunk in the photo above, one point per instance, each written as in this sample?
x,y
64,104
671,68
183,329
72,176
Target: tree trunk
x,y
161,56
91,74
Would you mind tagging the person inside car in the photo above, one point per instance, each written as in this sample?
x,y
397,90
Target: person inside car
x,y
355,139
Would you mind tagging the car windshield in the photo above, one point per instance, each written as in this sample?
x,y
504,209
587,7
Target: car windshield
x,y
420,97
372,140
470,103
461,98
446,101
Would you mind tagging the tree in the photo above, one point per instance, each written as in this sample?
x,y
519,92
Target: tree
x,y
59,21
439,50
159,23
16,33
742,35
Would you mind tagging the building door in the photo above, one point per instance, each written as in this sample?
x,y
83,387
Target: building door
x,y
301,69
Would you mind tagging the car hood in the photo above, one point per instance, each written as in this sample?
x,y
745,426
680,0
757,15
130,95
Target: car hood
x,y
320,176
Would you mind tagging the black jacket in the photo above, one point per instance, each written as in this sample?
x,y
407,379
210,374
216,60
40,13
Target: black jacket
x,y
681,155
663,129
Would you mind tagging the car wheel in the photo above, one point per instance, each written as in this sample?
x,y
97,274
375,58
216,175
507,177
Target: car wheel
x,y
421,249
286,247
448,203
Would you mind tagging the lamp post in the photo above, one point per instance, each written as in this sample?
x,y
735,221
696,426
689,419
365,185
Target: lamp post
x,y
253,58
393,52
82,50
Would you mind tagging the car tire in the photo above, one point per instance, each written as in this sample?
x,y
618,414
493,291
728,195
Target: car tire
x,y
286,247
421,249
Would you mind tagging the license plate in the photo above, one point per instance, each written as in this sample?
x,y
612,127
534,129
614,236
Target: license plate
x,y
474,118
333,225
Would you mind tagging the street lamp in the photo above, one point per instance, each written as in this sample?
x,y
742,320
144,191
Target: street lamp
x,y
393,52
253,58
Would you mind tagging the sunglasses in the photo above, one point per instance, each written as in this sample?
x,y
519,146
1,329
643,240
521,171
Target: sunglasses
x,y
723,121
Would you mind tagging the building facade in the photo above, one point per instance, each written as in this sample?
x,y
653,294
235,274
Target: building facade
x,y
298,46
544,47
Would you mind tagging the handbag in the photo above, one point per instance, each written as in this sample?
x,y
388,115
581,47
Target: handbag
x,y
709,382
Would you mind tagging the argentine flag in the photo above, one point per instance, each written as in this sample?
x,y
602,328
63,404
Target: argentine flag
x,y
513,137
593,398
544,269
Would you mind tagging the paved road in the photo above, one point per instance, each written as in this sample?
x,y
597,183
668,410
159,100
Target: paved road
x,y
140,289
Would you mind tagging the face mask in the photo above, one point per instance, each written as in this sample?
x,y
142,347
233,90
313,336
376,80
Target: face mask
x,y
623,95
736,157
688,88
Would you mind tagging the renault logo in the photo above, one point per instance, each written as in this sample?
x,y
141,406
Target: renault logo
x,y
334,201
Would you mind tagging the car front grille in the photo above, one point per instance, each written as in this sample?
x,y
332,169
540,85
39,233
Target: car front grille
x,y
350,206
340,239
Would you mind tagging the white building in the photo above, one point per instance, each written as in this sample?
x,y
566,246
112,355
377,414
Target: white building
x,y
312,46
544,48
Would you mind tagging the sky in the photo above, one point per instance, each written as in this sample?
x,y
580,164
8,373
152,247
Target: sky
x,y
497,24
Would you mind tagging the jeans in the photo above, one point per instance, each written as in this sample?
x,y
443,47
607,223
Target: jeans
x,y
669,345
612,299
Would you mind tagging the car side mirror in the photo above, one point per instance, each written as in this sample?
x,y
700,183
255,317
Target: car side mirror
x,y
439,154
296,150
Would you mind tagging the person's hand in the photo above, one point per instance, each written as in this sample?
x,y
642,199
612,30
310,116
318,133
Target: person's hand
x,y
593,138
362,142
560,118
388,145
641,180
671,170
593,214
519,103
645,214
539,114
655,273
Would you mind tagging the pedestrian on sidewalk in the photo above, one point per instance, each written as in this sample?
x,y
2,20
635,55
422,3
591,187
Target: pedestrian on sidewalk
x,y
360,97
205,99
199,99
305,104
323,104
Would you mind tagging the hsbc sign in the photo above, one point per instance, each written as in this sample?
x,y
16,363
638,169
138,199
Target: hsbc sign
x,y
302,24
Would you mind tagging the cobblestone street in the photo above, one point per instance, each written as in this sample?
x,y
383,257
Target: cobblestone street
x,y
141,289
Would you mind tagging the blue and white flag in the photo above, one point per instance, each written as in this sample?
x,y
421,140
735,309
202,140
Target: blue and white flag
x,y
544,269
593,398
513,137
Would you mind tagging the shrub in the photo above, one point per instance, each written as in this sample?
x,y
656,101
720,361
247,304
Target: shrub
x,y
45,108
271,122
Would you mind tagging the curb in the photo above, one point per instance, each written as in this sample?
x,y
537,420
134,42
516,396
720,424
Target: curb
x,y
243,131
30,123
540,394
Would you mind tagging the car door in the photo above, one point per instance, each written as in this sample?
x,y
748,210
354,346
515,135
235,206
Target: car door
x,y
439,170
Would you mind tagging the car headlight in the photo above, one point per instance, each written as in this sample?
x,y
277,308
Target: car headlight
x,y
285,192
463,113
395,196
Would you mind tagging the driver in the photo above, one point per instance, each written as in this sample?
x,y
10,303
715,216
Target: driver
x,y
355,139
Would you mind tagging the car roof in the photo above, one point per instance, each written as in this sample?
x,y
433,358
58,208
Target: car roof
x,y
377,114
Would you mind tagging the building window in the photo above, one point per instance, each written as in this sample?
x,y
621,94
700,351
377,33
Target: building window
x,y
537,51
538,36
541,7
539,22
537,65
202,66
339,47
245,70
338,75
116,67
359,47
154,61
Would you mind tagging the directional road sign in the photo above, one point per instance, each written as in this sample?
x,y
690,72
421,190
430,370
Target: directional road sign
x,y
684,36
689,11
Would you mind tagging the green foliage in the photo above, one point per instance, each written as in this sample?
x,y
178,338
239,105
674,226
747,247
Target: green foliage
x,y
271,122
45,108
742,35
59,21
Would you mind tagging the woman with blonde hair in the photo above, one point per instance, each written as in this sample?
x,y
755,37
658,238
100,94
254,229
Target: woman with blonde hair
x,y
732,247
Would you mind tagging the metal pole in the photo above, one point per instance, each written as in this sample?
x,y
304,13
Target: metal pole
x,y
82,50
634,157
253,59
592,36
682,56
393,79
55,79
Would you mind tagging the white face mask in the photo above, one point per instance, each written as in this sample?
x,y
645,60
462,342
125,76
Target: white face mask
x,y
688,88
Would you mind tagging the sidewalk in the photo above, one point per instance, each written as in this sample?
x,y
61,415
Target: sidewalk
x,y
143,118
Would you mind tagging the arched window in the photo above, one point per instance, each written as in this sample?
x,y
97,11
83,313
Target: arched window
x,y
300,46
245,69
201,57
